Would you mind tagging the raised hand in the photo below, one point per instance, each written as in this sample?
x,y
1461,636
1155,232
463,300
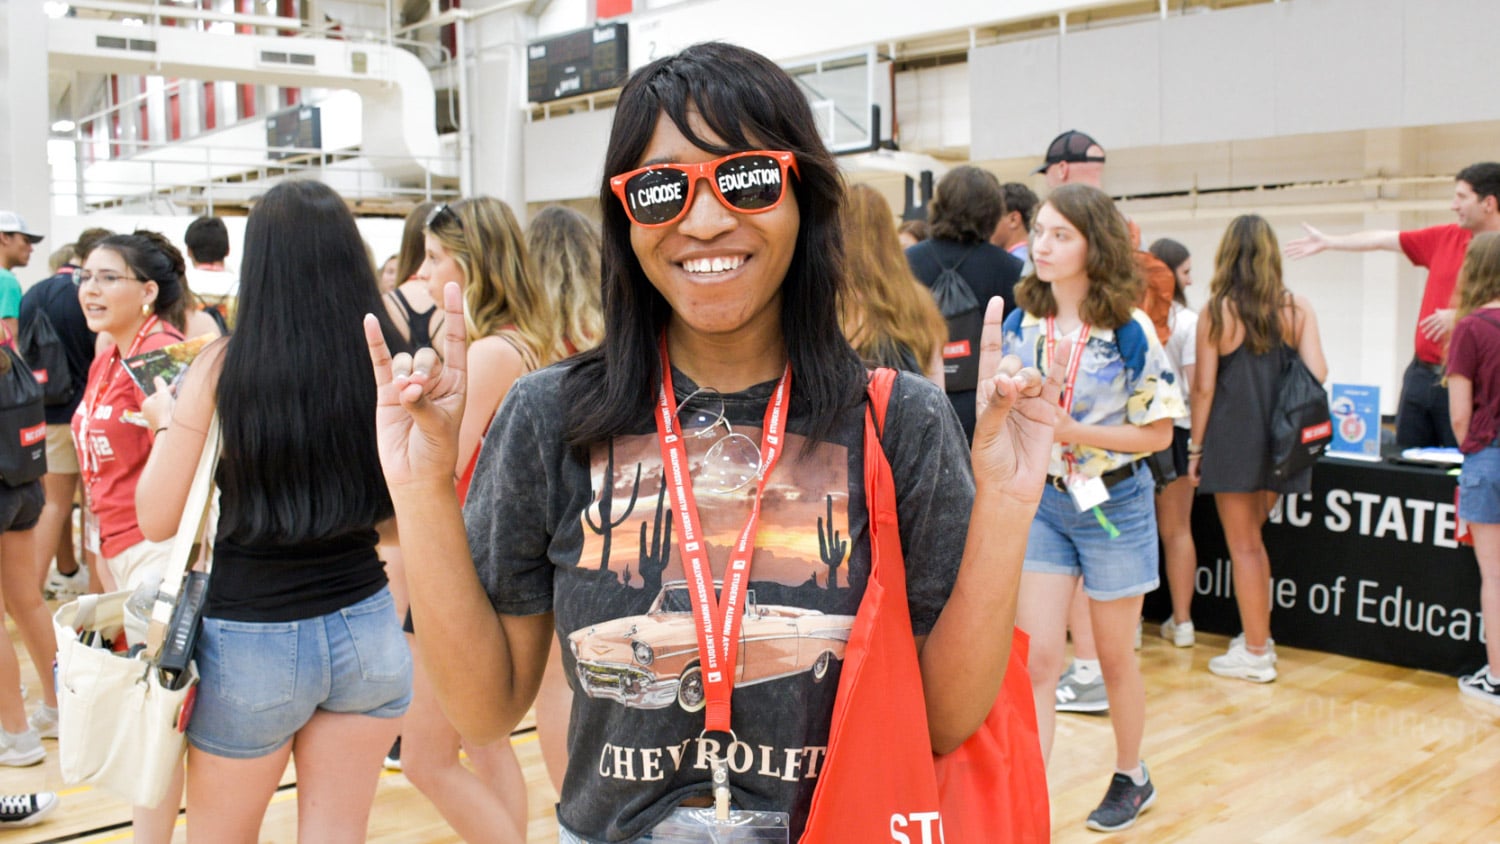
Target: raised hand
x,y
1302,247
420,400
1015,412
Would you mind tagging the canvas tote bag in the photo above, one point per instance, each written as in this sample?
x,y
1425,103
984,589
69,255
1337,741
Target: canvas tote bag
x,y
121,722
881,782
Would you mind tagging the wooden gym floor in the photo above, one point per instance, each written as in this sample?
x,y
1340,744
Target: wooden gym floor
x,y
1335,750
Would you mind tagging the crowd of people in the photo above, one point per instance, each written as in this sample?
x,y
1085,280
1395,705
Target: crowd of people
x,y
556,447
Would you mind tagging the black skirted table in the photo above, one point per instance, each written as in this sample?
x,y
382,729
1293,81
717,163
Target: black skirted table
x,y
1366,565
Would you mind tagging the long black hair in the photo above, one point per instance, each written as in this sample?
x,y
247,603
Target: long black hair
x,y
750,103
296,395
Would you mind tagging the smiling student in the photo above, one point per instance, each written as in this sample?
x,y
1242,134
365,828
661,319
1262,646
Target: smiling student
x,y
722,341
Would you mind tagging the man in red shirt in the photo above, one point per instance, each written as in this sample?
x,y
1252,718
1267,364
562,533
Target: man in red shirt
x,y
1422,415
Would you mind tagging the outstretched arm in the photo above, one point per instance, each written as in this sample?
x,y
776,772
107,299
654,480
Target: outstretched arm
x,y
965,656
1365,241
486,667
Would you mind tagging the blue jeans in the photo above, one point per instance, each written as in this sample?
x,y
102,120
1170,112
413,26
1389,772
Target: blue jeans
x,y
1479,488
1065,541
262,682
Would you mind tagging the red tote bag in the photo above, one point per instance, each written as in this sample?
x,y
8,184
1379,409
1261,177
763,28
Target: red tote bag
x,y
881,782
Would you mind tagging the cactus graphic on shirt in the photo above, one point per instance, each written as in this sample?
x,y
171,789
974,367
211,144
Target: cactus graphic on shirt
x,y
606,500
654,555
830,547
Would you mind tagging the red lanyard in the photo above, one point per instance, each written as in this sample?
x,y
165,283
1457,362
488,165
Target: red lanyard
x,y
90,464
717,619
1071,376
1073,360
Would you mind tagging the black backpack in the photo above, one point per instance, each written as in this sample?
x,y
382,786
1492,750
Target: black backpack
x,y
1301,426
44,352
23,424
958,305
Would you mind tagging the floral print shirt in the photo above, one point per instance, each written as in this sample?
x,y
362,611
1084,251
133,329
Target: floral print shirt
x,y
1123,378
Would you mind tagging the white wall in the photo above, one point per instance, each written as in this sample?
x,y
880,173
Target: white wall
x,y
23,116
1260,71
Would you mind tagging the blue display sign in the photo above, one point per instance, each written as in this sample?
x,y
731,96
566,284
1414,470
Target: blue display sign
x,y
1356,421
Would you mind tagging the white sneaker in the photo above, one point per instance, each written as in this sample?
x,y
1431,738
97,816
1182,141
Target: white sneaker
x,y
1243,665
20,750
44,720
1181,635
66,587
1239,642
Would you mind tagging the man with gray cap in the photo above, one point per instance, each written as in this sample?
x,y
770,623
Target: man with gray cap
x,y
16,242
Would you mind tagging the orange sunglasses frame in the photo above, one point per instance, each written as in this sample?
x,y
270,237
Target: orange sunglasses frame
x,y
705,170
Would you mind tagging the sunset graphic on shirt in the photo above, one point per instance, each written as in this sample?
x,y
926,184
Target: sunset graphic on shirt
x,y
629,528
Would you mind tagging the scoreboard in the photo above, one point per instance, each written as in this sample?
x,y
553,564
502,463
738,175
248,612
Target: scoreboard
x,y
582,62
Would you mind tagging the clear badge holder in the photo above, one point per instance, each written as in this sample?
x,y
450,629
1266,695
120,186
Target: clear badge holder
x,y
702,826
721,824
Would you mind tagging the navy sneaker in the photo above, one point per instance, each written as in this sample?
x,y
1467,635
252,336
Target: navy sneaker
x,y
393,759
18,810
1122,803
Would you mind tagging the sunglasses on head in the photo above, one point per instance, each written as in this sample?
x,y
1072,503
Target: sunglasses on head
x,y
442,215
751,182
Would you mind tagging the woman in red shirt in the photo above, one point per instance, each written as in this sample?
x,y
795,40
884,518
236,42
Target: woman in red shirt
x,y
1474,406
130,288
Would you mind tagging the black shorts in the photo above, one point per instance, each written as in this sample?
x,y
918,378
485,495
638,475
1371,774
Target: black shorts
x,y
21,506
1179,446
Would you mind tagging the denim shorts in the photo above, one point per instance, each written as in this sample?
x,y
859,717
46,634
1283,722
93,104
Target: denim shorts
x,y
261,682
1065,541
1479,487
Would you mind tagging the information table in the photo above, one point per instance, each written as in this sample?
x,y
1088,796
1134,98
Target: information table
x,y
1366,565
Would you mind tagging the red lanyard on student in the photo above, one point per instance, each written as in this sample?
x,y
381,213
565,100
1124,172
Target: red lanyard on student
x,y
717,619
1071,376
107,380
1073,360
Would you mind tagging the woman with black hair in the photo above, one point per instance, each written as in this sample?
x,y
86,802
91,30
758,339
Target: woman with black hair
x,y
722,357
131,288
301,652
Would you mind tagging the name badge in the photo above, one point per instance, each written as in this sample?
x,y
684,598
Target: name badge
x,y
1087,492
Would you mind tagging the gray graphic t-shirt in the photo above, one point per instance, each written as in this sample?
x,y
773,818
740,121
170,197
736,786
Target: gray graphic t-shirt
x,y
594,543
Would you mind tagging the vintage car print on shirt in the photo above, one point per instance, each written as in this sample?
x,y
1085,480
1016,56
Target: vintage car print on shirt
x,y
651,661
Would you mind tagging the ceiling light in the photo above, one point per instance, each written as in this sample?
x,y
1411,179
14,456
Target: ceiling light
x,y
63,127
55,9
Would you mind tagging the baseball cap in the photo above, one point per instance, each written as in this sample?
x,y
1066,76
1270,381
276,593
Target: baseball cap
x,y
1071,145
11,222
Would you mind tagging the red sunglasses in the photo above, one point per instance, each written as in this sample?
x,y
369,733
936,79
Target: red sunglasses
x,y
751,182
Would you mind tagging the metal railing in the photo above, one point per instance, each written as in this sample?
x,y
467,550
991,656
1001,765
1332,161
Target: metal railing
x,y
206,176
162,159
